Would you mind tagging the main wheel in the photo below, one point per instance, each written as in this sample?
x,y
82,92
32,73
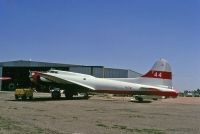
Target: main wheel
x,y
86,96
55,95
139,98
69,95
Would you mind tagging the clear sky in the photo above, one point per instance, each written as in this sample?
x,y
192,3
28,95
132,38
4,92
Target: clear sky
x,y
130,34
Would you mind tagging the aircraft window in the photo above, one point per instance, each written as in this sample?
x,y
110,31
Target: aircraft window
x,y
55,72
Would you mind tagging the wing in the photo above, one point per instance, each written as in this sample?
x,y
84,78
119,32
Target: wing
x,y
60,80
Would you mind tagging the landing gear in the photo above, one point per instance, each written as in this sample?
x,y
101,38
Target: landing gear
x,y
86,96
139,98
55,94
68,95
16,97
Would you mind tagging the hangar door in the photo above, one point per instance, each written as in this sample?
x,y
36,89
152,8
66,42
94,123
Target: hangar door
x,y
20,76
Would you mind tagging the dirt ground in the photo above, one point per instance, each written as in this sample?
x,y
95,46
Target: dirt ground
x,y
98,115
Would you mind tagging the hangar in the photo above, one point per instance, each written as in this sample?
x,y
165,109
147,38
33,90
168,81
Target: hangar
x,y
19,71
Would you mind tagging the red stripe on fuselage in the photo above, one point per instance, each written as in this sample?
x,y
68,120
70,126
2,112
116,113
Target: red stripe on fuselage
x,y
148,92
158,75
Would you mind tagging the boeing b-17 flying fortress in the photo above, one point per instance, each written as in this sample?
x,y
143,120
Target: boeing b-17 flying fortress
x,y
85,67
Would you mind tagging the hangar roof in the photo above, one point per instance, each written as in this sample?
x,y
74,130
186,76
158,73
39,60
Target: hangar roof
x,y
24,63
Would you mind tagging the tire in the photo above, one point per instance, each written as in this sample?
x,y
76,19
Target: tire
x,y
139,98
86,96
16,97
24,97
11,86
155,99
68,95
55,95
31,98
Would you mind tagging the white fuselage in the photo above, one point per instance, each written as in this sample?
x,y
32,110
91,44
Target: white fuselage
x,y
102,84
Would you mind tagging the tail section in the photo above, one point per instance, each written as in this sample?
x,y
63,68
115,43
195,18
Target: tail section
x,y
159,75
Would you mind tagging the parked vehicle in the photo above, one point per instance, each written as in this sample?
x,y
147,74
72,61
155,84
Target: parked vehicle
x,y
23,94
189,95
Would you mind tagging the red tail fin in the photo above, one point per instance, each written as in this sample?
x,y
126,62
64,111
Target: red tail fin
x,y
159,75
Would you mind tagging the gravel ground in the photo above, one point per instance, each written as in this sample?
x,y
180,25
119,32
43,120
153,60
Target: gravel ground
x,y
98,115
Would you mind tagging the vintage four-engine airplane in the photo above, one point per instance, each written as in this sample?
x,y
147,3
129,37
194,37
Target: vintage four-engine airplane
x,y
157,82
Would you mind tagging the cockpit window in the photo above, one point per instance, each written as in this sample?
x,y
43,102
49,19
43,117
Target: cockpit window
x,y
52,71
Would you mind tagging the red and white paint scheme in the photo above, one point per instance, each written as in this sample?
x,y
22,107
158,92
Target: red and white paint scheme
x,y
157,81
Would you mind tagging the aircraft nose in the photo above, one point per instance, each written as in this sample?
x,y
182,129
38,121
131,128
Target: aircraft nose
x,y
34,76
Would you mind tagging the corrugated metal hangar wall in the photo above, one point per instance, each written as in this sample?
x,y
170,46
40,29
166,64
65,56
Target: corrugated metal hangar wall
x,y
19,71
